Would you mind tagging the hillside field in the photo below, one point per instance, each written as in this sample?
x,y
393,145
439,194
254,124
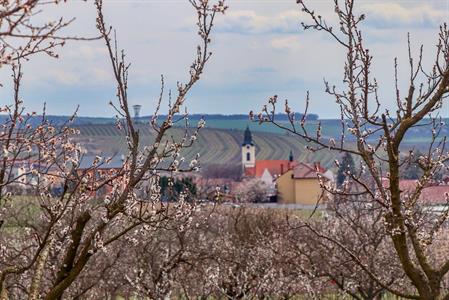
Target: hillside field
x,y
418,137
213,145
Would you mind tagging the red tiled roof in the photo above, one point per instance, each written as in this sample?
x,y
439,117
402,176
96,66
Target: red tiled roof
x,y
436,194
250,172
275,167
404,184
407,184
430,195
304,171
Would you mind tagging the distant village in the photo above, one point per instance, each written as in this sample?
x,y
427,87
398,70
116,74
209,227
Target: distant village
x,y
289,182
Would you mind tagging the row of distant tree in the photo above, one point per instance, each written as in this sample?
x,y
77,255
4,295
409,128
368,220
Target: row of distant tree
x,y
279,116
60,120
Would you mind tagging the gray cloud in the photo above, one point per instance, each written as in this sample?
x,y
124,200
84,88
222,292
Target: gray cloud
x,y
261,51
250,22
385,14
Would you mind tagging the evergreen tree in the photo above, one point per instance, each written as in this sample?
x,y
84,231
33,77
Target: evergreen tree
x,y
347,164
170,192
412,170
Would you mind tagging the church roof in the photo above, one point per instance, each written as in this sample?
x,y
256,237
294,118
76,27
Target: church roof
x,y
248,138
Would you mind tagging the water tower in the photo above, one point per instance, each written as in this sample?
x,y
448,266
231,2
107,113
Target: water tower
x,y
137,108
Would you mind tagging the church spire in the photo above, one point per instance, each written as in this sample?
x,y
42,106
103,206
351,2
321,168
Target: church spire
x,y
248,139
248,150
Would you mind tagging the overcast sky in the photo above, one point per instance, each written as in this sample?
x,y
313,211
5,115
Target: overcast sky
x,y
259,49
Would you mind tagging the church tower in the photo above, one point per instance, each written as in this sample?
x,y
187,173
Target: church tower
x,y
248,150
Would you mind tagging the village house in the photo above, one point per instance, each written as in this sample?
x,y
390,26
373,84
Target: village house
x,y
92,167
293,182
21,176
301,185
434,196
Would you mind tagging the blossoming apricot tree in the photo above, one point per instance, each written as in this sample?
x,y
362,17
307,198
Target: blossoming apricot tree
x,y
47,240
378,134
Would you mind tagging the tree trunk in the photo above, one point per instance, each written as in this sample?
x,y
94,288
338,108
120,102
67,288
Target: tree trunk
x,y
4,293
38,273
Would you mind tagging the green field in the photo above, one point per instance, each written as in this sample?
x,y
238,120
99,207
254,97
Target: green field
x,y
418,137
330,127
220,141
213,145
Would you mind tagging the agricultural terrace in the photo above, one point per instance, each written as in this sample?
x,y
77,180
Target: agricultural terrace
x,y
213,145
